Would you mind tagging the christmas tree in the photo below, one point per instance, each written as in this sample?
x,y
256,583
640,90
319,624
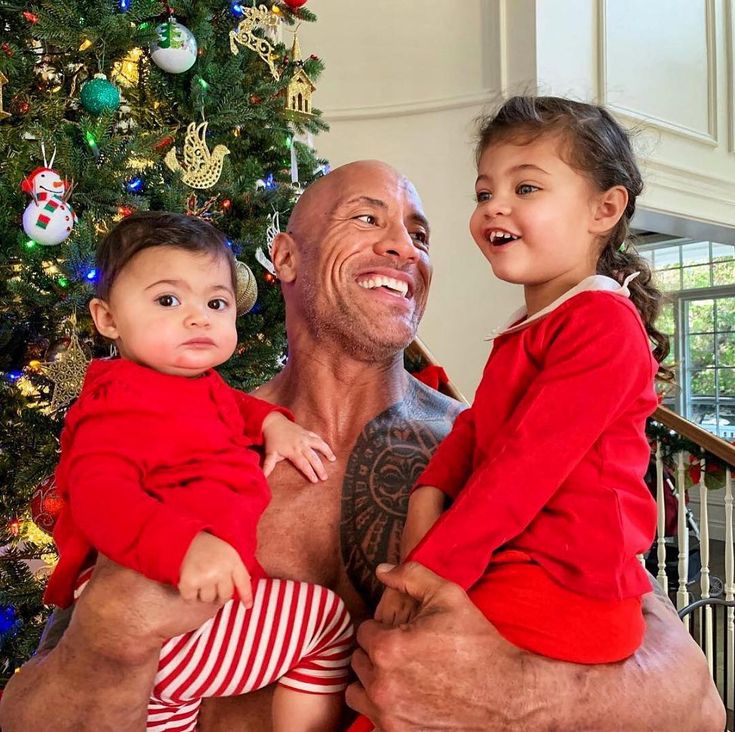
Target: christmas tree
x,y
109,107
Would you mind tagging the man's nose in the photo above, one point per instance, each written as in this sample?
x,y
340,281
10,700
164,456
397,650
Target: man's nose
x,y
398,242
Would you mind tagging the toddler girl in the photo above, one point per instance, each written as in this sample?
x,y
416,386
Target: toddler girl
x,y
160,473
545,471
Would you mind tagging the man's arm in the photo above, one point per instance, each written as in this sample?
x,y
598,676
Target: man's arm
x,y
450,669
100,675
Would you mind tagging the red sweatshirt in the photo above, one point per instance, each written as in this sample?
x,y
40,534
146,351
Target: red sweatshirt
x,y
550,458
148,460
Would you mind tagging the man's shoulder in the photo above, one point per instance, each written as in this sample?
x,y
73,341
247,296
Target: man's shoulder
x,y
424,404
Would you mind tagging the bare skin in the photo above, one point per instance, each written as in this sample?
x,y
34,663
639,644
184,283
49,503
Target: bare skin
x,y
345,381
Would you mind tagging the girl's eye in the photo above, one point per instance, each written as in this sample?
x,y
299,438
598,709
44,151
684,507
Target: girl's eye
x,y
218,303
168,301
367,218
483,196
526,188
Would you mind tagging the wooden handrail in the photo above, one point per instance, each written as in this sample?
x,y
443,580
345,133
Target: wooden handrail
x,y
706,440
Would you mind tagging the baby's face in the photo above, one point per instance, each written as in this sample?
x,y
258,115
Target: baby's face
x,y
174,311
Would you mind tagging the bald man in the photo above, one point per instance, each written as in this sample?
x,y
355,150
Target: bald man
x,y
354,268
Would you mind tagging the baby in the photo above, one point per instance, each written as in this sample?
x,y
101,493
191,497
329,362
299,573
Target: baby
x,y
160,473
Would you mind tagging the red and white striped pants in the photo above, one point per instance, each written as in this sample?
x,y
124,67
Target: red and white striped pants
x,y
295,633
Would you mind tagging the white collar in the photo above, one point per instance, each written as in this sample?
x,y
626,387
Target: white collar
x,y
592,283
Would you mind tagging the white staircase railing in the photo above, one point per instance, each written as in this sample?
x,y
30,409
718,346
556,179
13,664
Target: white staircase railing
x,y
696,505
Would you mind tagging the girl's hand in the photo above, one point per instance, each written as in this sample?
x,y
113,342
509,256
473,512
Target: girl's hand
x,y
212,571
285,440
395,608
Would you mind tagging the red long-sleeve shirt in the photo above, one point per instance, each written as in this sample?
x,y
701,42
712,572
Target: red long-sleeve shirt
x,y
550,458
148,460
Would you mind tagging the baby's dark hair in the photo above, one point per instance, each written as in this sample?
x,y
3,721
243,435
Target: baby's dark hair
x,y
156,229
598,147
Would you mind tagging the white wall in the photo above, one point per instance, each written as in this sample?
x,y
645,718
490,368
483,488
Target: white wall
x,y
405,79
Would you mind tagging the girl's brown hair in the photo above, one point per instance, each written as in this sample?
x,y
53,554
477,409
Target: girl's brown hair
x,y
156,229
598,147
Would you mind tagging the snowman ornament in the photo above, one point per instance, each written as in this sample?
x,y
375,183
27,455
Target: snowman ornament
x,y
48,218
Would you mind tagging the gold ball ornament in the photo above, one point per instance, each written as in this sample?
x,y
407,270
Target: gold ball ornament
x,y
247,288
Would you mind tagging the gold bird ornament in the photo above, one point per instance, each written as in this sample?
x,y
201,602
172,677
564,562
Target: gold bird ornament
x,y
201,169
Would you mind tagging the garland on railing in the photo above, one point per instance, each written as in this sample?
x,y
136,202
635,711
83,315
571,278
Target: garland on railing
x,y
673,443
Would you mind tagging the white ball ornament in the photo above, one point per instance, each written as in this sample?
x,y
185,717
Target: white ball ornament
x,y
176,48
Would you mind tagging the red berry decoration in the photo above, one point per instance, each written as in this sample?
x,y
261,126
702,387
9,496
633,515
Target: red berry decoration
x,y
295,4
46,505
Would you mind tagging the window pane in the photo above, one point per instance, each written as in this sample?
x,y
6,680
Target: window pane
x,y
695,253
722,252
703,384
725,313
726,349
696,276
667,257
723,273
668,279
701,351
701,316
727,391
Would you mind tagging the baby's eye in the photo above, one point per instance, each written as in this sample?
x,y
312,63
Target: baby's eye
x,y
483,196
168,301
218,303
526,188
367,218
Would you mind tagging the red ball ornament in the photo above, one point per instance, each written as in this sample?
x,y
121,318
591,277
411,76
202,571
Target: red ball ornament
x,y
295,4
46,505
226,204
30,17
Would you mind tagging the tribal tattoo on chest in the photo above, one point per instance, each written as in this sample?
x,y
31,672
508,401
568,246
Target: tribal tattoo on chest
x,y
387,459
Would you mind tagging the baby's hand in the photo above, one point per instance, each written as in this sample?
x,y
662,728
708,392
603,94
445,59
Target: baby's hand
x,y
285,440
212,570
395,608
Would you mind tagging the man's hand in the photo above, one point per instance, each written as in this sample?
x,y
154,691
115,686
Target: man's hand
x,y
212,570
450,669
285,440
424,675
395,608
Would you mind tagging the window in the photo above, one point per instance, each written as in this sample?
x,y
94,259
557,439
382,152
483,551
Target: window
x,y
698,278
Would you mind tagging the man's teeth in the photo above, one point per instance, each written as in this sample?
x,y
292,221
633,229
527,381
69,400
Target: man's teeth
x,y
381,281
502,235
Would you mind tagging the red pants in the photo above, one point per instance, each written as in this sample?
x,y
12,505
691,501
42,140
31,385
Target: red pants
x,y
533,612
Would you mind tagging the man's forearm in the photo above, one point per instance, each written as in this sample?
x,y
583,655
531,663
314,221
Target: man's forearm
x,y
664,686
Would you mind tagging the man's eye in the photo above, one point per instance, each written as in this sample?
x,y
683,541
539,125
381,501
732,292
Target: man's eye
x,y
526,188
218,303
168,301
421,237
367,218
483,196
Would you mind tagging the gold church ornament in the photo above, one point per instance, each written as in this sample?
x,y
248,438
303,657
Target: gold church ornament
x,y
300,87
257,18
201,168
3,80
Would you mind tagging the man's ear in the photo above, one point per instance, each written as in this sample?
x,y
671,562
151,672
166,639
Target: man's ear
x,y
609,207
284,256
103,319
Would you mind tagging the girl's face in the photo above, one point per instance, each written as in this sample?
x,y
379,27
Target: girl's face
x,y
172,310
537,220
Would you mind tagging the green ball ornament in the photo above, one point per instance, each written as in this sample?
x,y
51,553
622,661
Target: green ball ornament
x,y
99,95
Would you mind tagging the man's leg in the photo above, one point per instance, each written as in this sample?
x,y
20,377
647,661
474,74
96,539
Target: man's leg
x,y
100,675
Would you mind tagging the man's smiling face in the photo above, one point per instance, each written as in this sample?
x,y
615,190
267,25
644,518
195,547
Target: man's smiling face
x,y
364,268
